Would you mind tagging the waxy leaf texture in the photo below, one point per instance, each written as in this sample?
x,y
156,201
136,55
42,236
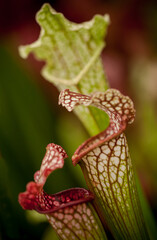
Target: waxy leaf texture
x,y
106,163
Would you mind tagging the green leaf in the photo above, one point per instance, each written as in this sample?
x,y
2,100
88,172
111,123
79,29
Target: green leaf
x,y
72,55
107,166
112,180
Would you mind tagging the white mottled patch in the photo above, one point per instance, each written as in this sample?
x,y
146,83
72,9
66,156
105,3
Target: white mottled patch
x,y
113,169
105,175
126,105
122,167
95,178
114,160
117,153
104,147
113,176
99,187
97,151
101,178
108,97
103,156
121,173
120,180
111,144
115,100
106,104
107,184
88,212
123,100
100,168
117,150
67,101
119,142
107,151
111,109
91,160
103,184
123,156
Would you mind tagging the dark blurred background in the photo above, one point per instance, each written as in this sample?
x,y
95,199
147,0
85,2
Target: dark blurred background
x,y
30,117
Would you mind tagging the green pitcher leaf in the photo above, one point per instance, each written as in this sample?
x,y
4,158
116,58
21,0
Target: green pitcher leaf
x,y
69,212
72,57
107,166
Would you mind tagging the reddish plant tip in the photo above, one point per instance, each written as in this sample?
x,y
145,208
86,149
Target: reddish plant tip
x,y
53,159
27,199
70,99
35,198
59,149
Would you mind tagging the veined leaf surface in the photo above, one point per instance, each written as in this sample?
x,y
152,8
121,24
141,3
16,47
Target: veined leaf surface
x,y
72,58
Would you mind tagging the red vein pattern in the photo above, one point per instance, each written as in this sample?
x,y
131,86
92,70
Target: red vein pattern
x,y
69,212
53,159
112,102
107,166
77,222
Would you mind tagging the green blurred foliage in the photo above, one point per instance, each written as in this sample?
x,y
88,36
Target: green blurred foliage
x,y
50,234
27,125
143,147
